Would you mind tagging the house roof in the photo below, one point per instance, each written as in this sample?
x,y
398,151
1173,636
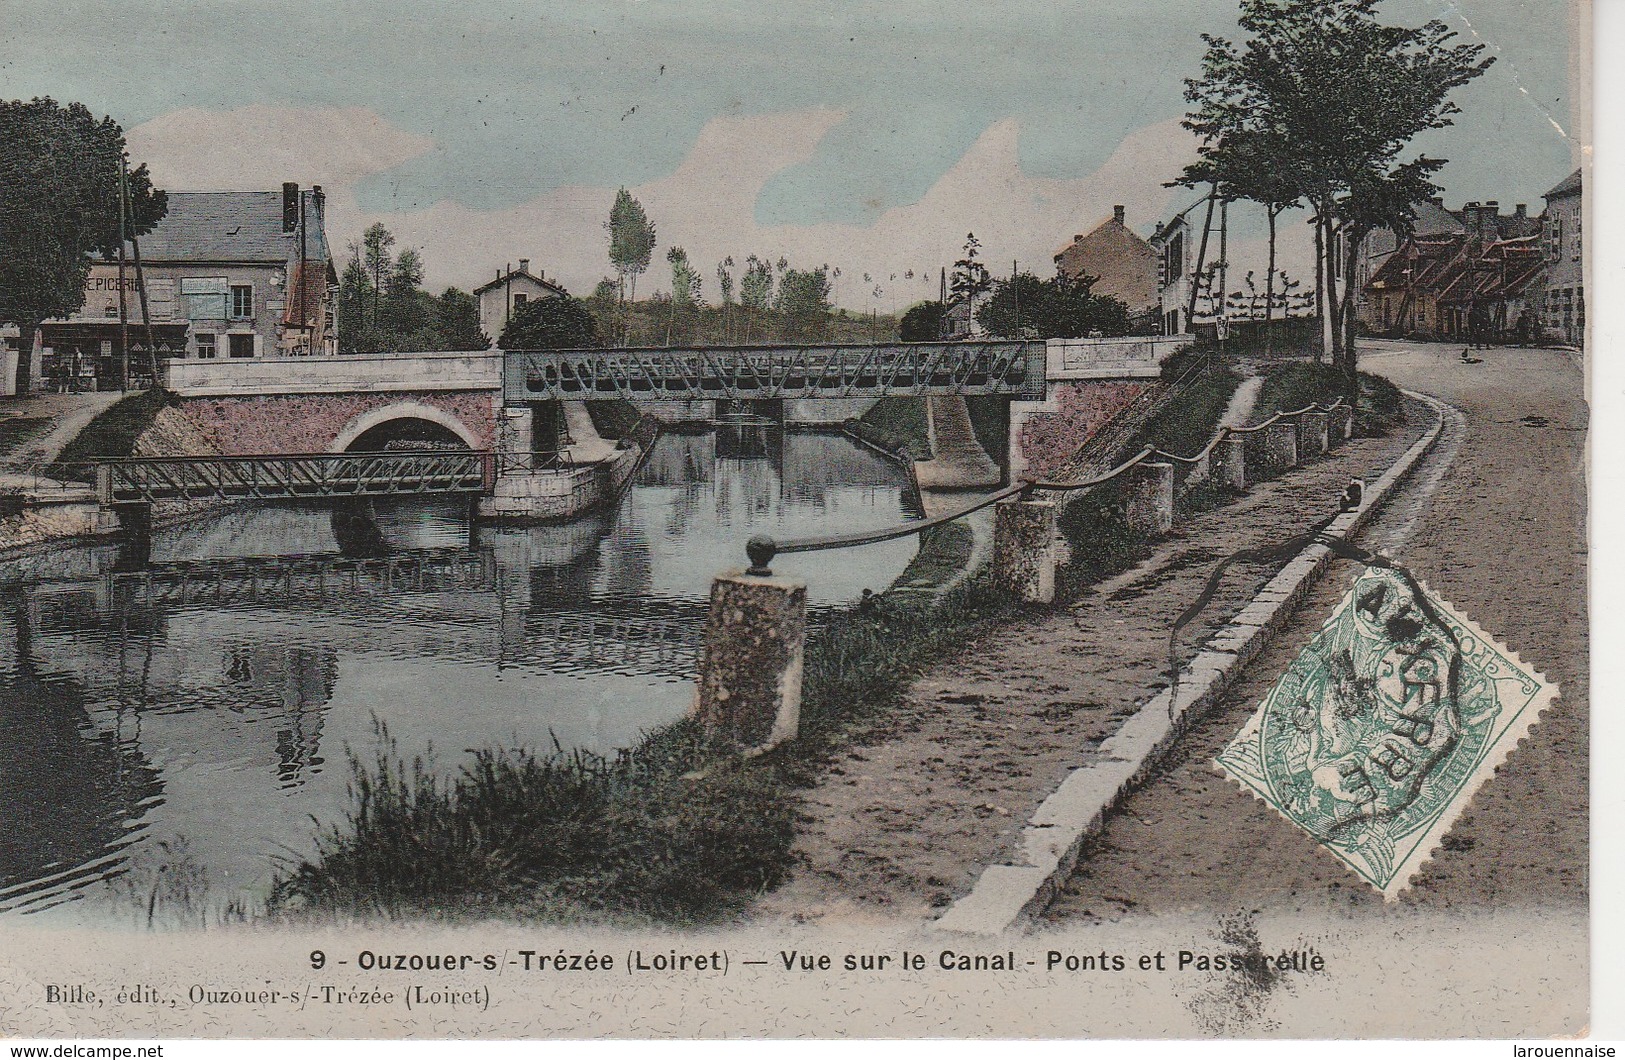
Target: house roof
x,y
1570,185
1109,222
228,226
519,274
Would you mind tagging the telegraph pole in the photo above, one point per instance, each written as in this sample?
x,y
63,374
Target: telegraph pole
x,y
123,313
140,276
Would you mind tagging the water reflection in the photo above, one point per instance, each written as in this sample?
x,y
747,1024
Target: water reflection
x,y
187,701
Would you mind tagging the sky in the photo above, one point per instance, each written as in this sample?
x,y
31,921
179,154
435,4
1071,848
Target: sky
x,y
869,136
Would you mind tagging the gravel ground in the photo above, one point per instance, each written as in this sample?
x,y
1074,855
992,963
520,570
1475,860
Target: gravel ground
x,y
904,824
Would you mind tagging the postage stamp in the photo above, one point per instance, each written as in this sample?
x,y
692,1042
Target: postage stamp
x,y
1380,732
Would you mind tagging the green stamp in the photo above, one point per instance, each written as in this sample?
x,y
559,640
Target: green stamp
x,y
1384,726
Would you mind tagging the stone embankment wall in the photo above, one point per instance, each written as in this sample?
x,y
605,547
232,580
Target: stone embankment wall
x,y
304,423
1045,436
52,523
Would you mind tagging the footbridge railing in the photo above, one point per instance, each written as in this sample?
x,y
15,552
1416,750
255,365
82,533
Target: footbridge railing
x,y
294,475
757,623
907,369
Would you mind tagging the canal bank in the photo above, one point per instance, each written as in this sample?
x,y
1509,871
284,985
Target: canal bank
x,y
236,659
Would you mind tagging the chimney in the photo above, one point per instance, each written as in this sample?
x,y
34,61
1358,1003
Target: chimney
x,y
1118,213
1521,211
524,264
1438,200
290,206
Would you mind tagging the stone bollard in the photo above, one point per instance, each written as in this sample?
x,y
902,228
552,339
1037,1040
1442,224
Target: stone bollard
x,y
1229,459
1024,557
1281,445
1312,435
1342,428
750,675
1149,503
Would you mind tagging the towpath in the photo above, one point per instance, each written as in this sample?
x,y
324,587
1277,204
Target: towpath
x,y
1494,522
903,824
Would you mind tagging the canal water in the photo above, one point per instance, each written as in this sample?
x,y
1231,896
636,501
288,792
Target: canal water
x,y
177,713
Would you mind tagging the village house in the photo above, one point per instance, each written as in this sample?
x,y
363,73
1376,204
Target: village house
x,y
1563,305
1124,267
227,274
501,298
1474,273
1481,283
1172,245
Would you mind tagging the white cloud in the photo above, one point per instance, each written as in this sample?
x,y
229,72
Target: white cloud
x,y
707,204
256,148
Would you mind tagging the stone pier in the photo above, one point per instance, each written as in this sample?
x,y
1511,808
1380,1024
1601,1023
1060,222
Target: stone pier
x,y
1229,461
1024,554
1342,424
1150,498
1313,438
1281,446
749,688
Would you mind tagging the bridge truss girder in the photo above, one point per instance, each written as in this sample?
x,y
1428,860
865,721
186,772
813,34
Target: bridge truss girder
x,y
298,475
911,369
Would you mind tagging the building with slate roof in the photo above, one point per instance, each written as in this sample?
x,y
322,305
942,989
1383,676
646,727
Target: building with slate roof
x,y
1563,307
227,274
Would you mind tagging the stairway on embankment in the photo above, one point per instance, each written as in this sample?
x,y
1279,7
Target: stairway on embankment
x,y
958,461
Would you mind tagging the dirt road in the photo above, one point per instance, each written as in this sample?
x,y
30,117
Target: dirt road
x,y
903,825
1495,523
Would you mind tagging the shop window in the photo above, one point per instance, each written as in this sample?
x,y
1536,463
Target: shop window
x,y
205,346
242,301
241,345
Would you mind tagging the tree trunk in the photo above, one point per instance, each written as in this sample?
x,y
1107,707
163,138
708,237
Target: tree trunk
x,y
1334,304
1321,319
1269,286
1201,257
27,336
1351,370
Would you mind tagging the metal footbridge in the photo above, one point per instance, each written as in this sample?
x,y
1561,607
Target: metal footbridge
x,y
294,476
905,369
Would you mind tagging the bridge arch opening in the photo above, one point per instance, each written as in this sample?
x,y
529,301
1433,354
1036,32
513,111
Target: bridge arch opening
x,y
407,425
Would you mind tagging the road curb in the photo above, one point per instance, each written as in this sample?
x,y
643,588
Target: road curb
x,y
1012,892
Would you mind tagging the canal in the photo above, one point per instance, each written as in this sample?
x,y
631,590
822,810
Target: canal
x,y
177,712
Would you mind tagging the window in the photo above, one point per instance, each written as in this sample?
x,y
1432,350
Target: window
x,y
242,301
205,346
1173,259
241,345
518,300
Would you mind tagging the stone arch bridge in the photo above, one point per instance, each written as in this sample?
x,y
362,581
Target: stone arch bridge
x,y
528,409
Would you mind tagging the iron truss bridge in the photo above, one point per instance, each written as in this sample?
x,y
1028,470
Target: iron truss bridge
x,y
909,369
281,477
336,579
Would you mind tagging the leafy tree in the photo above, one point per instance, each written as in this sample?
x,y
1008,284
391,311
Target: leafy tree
x,y
804,300
551,324
725,287
755,289
631,241
1057,308
1334,96
59,203
376,259
685,286
457,318
970,279
922,322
